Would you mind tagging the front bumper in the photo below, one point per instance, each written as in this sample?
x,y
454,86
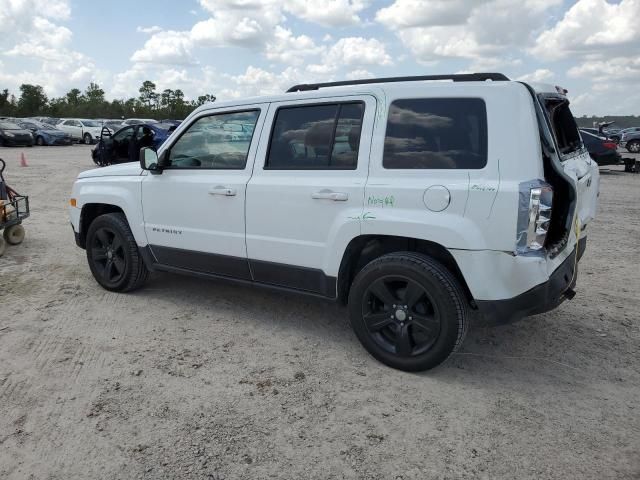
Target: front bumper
x,y
540,299
60,141
22,141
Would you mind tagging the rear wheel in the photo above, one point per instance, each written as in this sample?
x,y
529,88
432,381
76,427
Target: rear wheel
x,y
633,146
39,141
14,235
3,246
408,311
113,256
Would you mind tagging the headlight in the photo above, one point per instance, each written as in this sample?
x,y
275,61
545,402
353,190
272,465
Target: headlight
x,y
534,216
9,134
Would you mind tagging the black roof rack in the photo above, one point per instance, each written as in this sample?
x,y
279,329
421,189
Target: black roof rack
x,y
462,77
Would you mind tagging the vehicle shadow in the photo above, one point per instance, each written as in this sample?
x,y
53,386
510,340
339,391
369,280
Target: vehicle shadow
x,y
535,349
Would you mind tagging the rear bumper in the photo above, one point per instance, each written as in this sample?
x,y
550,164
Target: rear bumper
x,y
540,299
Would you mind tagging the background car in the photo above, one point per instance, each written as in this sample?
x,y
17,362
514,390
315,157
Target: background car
x,y
617,136
602,150
137,121
45,134
82,129
631,140
124,145
12,135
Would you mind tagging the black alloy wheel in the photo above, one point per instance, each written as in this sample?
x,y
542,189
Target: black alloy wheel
x,y
113,255
400,316
408,310
108,256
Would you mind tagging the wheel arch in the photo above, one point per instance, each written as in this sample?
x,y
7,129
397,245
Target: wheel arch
x,y
91,211
365,248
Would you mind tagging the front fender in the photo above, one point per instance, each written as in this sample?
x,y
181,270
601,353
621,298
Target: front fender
x,y
121,192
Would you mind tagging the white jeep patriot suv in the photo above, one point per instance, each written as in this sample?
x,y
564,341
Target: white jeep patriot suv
x,y
419,203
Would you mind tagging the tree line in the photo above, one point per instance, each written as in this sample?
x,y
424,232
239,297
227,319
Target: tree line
x,y
32,101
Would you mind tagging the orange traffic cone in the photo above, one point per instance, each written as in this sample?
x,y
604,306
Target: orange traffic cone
x,y
23,160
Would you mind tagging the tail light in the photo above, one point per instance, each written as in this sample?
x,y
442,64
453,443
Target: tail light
x,y
534,216
610,145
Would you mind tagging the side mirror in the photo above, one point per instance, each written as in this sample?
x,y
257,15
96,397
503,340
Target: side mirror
x,y
149,160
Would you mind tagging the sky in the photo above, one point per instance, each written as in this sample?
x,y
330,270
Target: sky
x,y
236,48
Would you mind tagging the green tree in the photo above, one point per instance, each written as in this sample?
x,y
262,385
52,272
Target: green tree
x,y
32,100
202,99
148,95
94,93
74,97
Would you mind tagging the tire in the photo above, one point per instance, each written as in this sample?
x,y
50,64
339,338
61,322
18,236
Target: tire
x,y
415,336
39,141
113,256
87,139
14,235
629,165
3,246
633,146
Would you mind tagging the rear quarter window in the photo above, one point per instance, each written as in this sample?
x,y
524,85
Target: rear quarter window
x,y
436,133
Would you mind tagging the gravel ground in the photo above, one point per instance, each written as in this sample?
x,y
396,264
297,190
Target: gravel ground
x,y
201,379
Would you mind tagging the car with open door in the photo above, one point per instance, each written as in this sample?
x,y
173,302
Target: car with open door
x,y
124,145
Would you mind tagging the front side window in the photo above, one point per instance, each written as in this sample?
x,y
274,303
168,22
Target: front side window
x,y
123,134
215,142
316,137
436,133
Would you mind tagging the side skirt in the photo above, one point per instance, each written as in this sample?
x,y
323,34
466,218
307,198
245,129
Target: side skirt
x,y
270,275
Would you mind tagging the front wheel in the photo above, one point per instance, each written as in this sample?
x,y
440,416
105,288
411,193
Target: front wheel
x,y
40,141
3,246
14,235
408,311
113,256
633,146
87,139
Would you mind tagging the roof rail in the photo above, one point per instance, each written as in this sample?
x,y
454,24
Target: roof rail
x,y
462,77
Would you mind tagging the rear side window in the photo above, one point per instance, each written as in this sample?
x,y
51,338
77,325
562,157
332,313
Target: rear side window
x,y
436,133
564,126
316,137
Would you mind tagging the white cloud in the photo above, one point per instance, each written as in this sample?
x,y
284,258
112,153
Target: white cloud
x,y
329,13
287,48
424,13
592,27
620,69
476,30
168,47
541,75
42,39
149,30
357,51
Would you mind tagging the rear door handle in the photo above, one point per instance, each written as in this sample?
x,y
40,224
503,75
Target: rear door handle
x,y
225,191
330,195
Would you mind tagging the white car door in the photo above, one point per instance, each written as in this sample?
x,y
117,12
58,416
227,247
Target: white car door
x,y
194,215
305,199
73,127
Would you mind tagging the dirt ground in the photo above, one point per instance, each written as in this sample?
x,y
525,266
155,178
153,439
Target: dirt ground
x,y
201,379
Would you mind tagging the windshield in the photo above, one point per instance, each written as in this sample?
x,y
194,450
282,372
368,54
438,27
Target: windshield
x,y
562,124
91,123
9,126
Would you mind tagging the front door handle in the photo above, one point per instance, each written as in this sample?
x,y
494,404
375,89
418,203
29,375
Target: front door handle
x,y
225,191
330,195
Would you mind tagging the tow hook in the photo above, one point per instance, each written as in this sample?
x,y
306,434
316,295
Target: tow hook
x,y
569,293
